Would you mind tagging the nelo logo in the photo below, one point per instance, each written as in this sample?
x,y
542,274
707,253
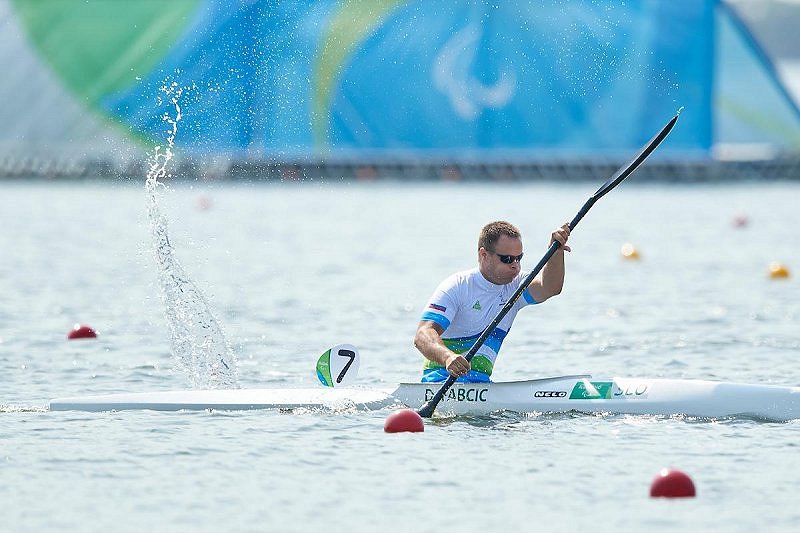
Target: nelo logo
x,y
549,394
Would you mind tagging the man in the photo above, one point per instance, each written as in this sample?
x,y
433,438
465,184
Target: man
x,y
465,303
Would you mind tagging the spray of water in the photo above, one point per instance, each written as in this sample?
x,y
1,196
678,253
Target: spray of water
x,y
199,346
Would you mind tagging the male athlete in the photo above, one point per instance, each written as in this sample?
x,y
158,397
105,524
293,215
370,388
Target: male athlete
x,y
465,303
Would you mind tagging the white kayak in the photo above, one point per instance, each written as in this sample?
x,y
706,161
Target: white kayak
x,y
229,400
579,393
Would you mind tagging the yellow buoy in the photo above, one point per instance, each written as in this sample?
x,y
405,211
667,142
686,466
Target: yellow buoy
x,y
778,270
629,251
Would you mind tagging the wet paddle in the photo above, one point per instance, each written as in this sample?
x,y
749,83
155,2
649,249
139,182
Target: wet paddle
x,y
427,410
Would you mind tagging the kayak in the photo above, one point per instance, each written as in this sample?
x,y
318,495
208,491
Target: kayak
x,y
618,395
574,393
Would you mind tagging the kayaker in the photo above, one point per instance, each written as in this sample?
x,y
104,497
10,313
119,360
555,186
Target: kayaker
x,y
465,303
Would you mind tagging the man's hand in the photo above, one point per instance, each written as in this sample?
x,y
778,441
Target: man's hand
x,y
457,365
561,235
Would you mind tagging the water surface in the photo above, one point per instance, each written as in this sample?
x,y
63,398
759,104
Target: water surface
x,y
291,270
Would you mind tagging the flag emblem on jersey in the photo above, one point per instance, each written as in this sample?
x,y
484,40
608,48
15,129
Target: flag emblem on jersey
x,y
438,307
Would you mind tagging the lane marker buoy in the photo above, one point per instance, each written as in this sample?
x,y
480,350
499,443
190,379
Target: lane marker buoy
x,y
672,483
740,221
404,420
629,251
778,270
204,203
81,331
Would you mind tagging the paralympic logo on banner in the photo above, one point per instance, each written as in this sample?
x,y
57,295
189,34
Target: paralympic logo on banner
x,y
467,95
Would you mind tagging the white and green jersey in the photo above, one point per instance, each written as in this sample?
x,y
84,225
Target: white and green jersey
x,y
464,304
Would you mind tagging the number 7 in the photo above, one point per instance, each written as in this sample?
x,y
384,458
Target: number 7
x,y
350,354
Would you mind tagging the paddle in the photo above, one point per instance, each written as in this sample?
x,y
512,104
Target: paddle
x,y
426,410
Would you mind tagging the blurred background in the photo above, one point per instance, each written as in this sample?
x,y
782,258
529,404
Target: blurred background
x,y
400,89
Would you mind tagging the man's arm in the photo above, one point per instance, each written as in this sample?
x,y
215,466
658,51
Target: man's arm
x,y
428,341
550,280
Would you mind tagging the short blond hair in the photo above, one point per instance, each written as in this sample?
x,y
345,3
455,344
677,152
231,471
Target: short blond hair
x,y
492,231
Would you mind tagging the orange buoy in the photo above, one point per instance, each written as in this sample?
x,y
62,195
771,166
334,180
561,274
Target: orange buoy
x,y
671,483
81,331
778,271
404,420
629,251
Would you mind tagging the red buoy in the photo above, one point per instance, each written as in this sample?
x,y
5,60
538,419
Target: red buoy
x,y
404,420
204,203
740,221
81,331
671,483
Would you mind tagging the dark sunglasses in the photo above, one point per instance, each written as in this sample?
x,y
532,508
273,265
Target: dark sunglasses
x,y
508,259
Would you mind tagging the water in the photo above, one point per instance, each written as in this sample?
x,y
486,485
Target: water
x,y
292,270
198,342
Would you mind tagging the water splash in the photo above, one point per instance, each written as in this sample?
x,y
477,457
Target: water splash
x,y
199,346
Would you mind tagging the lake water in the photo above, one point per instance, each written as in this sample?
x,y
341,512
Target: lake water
x,y
290,270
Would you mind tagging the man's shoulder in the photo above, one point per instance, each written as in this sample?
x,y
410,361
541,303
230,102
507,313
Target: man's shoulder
x,y
463,277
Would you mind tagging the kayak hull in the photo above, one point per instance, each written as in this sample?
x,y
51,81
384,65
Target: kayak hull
x,y
638,396
578,393
229,400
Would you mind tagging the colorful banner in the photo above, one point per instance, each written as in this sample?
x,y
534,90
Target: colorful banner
x,y
310,78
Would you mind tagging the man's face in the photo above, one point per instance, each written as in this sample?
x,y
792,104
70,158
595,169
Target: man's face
x,y
501,265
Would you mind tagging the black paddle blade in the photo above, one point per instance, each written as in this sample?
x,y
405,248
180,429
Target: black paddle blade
x,y
638,159
426,411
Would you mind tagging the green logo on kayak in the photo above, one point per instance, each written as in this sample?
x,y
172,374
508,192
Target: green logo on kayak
x,y
592,390
324,369
477,305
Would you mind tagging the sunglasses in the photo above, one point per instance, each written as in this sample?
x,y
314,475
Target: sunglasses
x,y
508,259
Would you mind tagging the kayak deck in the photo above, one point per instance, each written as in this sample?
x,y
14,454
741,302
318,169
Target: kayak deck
x,y
228,400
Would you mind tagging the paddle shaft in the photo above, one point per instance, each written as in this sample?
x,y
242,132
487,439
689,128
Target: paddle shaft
x,y
427,410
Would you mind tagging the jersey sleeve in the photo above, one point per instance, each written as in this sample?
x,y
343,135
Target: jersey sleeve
x,y
527,297
441,307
